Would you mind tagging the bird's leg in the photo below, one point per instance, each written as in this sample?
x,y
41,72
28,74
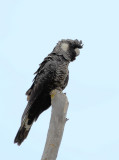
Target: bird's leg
x,y
54,92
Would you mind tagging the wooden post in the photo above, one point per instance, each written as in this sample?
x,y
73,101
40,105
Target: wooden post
x,y
58,119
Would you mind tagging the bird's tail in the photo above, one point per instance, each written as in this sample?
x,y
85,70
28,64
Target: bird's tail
x,y
22,132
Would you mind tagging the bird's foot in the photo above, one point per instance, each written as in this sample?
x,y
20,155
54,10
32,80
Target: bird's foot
x,y
54,92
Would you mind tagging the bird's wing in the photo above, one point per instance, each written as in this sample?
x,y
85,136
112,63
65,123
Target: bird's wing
x,y
45,75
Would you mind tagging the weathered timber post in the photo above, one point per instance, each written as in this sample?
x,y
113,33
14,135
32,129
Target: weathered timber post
x,y
58,119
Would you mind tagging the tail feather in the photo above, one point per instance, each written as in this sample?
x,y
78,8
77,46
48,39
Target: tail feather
x,y
22,133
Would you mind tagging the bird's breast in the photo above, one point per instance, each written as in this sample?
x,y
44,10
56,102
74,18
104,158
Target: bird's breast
x,y
61,75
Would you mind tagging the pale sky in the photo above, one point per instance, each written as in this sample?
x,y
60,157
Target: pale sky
x,y
29,30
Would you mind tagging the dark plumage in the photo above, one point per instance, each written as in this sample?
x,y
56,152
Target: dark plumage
x,y
52,74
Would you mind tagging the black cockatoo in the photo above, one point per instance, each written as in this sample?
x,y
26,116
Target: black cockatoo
x,y
52,74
